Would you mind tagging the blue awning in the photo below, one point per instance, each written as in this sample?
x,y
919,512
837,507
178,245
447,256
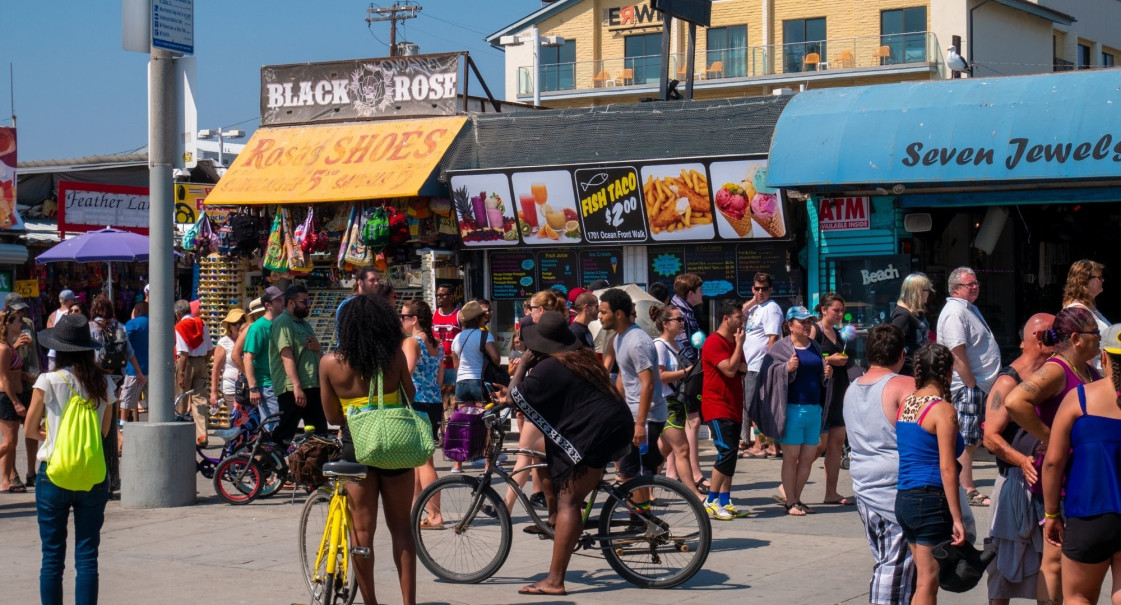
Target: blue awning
x,y
1060,129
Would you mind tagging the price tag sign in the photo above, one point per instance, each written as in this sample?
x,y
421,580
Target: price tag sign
x,y
611,205
27,288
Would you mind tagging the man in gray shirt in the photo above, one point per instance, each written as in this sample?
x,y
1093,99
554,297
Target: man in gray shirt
x,y
638,377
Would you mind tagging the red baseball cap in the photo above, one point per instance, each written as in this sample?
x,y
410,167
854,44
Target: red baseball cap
x,y
573,293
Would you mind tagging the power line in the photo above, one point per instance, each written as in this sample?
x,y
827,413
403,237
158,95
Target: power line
x,y
481,33
393,14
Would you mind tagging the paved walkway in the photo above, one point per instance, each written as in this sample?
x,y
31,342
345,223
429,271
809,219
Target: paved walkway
x,y
216,553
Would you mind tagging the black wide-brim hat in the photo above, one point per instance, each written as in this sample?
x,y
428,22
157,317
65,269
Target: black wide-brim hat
x,y
70,333
550,334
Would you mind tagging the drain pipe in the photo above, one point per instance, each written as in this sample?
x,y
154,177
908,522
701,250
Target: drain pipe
x,y
969,33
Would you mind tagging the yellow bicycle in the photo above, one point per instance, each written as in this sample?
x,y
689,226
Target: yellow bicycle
x,y
326,553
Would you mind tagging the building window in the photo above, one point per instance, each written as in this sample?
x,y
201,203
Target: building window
x,y
801,38
903,32
1083,56
558,66
1107,60
728,46
643,57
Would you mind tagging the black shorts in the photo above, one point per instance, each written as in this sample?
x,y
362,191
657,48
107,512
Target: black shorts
x,y
8,408
726,438
924,515
1092,540
643,465
435,413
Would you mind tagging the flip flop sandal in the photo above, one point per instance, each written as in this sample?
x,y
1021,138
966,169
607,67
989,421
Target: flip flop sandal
x,y
808,510
534,530
17,489
976,498
16,481
534,589
778,498
797,506
842,501
425,525
747,454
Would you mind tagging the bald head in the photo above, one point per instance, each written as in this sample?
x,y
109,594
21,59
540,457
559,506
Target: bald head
x,y
1030,338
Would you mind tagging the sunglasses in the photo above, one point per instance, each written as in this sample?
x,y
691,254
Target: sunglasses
x,y
405,315
760,288
677,319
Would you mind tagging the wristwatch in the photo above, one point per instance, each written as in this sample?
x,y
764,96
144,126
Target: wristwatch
x,y
254,389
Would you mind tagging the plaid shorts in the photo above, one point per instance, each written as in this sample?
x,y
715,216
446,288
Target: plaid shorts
x,y
970,405
893,573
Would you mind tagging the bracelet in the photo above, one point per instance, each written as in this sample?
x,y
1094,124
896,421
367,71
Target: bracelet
x,y
1047,515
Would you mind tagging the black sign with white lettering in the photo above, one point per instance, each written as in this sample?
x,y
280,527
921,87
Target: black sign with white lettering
x,y
362,89
609,206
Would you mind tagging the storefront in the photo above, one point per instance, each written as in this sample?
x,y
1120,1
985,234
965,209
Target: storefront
x,y
1016,177
638,195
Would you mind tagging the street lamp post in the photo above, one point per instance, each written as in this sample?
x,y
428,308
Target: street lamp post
x,y
221,135
537,41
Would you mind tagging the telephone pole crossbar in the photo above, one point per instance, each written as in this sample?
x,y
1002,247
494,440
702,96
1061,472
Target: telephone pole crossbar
x,y
393,14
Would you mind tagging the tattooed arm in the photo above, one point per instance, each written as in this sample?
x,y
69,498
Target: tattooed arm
x,y
1046,382
996,420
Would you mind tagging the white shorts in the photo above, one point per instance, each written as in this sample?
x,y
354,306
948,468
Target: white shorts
x,y
130,393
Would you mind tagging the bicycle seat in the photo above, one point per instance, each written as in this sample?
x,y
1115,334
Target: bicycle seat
x,y
343,468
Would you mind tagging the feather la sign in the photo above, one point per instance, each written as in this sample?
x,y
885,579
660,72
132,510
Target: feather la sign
x,y
844,214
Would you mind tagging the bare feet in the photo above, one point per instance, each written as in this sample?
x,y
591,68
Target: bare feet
x,y
536,589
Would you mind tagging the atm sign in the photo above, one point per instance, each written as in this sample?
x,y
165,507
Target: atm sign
x,y
844,214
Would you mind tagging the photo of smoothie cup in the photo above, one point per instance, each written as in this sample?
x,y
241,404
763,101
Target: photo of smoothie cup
x,y
478,205
495,210
529,209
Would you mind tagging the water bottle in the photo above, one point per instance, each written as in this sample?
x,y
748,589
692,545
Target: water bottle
x,y
644,447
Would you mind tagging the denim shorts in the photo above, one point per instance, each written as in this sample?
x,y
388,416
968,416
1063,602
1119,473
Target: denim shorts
x,y
469,391
803,425
924,514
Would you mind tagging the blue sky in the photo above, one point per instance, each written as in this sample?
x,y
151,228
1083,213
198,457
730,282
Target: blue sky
x,y
78,93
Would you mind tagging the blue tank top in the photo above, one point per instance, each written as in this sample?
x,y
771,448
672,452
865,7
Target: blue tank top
x,y
918,448
426,377
1095,466
806,388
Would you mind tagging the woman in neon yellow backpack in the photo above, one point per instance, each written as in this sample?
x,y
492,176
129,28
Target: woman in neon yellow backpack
x,y
76,399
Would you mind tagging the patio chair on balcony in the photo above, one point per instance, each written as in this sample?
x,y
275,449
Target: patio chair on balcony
x,y
602,79
843,59
884,55
626,77
716,70
811,62
681,73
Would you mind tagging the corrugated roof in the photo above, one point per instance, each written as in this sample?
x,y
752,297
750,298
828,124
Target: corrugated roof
x,y
89,162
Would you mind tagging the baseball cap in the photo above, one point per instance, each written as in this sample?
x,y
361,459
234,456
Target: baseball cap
x,y
14,301
1111,340
271,293
599,284
66,295
573,294
798,312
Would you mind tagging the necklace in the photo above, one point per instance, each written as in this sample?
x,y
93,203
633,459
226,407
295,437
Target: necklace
x,y
1085,378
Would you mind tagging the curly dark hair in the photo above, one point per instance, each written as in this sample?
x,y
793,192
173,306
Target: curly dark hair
x,y
586,366
83,367
369,335
934,365
101,307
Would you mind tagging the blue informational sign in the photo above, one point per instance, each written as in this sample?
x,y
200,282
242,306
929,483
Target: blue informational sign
x,y
173,25
1049,127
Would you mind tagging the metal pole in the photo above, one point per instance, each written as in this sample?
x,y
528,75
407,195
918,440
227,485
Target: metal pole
x,y
689,61
221,145
663,78
161,259
535,35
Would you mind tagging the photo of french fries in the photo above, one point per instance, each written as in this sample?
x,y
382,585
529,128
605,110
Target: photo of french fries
x,y
677,201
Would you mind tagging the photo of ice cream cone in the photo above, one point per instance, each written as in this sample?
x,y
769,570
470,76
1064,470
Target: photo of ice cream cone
x,y
742,226
773,227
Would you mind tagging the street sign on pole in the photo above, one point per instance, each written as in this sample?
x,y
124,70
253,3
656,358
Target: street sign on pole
x,y
173,25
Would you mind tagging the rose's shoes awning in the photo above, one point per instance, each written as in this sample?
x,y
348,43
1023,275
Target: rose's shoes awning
x,y
336,162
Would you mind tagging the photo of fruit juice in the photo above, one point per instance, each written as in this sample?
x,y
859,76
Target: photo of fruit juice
x,y
478,204
540,193
529,209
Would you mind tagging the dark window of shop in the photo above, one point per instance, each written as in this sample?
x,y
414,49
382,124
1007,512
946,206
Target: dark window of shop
x,y
643,57
728,46
802,37
558,66
903,32
1107,60
1083,56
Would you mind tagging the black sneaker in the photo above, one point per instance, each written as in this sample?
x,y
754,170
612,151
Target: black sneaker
x,y
538,501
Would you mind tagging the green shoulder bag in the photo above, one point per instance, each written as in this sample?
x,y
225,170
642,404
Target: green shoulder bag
x,y
390,437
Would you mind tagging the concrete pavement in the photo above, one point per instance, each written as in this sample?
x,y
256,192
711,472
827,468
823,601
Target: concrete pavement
x,y
216,553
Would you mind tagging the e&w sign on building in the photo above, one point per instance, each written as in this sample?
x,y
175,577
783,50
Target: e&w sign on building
x,y
844,214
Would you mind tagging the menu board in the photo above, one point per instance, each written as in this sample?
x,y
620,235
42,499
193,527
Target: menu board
x,y
558,270
767,258
513,274
665,264
715,264
609,204
602,264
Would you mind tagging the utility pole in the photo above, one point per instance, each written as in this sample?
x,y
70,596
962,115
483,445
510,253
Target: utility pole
x,y
393,14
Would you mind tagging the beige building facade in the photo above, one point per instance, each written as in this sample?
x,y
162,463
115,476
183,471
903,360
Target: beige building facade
x,y
598,52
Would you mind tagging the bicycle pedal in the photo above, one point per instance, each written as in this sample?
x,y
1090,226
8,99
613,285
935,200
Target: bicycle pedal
x,y
360,551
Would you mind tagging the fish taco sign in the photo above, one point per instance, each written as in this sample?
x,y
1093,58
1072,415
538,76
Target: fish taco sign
x,y
360,89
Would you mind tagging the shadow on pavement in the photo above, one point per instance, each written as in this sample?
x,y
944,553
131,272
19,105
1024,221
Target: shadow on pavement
x,y
16,510
719,544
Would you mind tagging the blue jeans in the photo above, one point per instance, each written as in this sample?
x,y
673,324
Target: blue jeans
x,y
269,405
53,505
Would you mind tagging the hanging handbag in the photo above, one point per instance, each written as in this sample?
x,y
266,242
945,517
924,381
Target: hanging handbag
x,y
275,259
491,373
390,437
358,253
298,261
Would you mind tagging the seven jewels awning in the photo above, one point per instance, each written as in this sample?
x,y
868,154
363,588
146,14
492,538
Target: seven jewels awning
x,y
336,162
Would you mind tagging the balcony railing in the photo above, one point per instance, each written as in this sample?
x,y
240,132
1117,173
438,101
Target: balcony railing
x,y
862,54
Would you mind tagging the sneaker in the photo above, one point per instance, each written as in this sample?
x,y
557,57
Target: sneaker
x,y
738,513
720,513
538,501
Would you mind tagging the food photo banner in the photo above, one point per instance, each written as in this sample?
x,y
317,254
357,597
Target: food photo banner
x,y
517,274
689,200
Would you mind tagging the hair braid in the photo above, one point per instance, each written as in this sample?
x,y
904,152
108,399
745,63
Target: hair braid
x,y
934,365
1115,361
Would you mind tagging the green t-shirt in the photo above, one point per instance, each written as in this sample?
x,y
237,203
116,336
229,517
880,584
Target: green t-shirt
x,y
257,345
289,332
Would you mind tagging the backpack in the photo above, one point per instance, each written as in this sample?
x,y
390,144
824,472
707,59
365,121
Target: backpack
x,y
691,384
244,232
375,231
113,355
78,460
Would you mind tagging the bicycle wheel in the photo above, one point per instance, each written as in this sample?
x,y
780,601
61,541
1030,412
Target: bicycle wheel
x,y
237,480
660,549
323,589
473,553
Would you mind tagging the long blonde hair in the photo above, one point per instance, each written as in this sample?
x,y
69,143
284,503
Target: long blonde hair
x,y
910,294
1078,277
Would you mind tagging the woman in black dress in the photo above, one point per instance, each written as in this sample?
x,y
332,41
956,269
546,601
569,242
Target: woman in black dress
x,y
586,424
833,348
910,316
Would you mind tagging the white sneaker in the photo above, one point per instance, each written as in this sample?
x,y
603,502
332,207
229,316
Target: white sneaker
x,y
738,513
715,511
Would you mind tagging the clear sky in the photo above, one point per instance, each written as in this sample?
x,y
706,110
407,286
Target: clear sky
x,y
78,93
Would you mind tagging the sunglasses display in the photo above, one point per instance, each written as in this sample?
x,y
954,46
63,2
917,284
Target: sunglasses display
x,y
221,288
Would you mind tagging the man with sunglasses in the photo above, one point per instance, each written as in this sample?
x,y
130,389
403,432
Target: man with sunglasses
x,y
963,330
763,320
445,327
294,355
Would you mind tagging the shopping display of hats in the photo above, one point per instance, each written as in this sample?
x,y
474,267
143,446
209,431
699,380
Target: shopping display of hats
x,y
798,312
14,301
70,333
234,316
271,293
1111,340
470,311
550,334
